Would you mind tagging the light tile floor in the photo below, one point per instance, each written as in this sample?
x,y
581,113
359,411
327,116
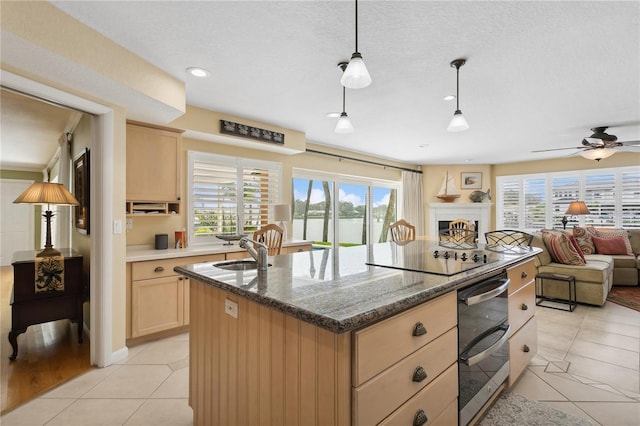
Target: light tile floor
x,y
587,365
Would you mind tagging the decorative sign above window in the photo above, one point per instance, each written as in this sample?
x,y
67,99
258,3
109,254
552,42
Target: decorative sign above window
x,y
249,132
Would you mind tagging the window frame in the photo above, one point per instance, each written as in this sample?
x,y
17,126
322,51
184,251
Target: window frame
x,y
611,196
335,179
240,164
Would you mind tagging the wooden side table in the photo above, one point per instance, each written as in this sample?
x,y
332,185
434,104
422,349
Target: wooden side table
x,y
570,280
30,308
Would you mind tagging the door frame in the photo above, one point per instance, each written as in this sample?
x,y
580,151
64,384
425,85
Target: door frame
x,y
101,179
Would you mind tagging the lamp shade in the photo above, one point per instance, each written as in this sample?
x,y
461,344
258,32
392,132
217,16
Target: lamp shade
x,y
282,212
577,208
356,76
458,123
45,193
344,124
598,153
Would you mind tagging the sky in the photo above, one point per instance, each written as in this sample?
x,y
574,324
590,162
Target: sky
x,y
352,193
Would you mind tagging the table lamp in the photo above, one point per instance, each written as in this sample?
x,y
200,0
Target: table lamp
x,y
282,214
575,208
47,193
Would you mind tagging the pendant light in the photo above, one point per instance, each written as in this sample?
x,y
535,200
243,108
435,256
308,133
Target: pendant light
x,y
458,122
344,124
356,75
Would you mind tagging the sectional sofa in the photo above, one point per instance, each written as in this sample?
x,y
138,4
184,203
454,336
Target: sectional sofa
x,y
597,275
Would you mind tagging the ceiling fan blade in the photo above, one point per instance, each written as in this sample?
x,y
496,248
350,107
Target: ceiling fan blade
x,y
558,149
630,143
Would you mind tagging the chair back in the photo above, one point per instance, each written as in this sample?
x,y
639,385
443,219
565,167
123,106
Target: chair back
x,y
402,231
461,230
271,236
508,237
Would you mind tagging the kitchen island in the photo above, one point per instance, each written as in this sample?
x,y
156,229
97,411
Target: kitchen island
x,y
325,338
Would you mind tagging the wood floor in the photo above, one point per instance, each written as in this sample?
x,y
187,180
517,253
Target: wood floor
x,y
48,354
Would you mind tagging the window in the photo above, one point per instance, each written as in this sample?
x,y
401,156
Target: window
x,y
364,209
530,202
229,195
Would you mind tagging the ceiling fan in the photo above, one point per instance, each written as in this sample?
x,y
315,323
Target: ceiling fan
x,y
599,145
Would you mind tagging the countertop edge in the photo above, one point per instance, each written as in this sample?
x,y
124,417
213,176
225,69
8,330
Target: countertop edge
x,y
360,320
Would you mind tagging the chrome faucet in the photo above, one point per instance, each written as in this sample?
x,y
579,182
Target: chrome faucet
x,y
259,256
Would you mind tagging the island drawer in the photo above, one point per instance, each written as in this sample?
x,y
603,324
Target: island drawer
x,y
432,401
401,381
379,346
522,347
522,306
521,274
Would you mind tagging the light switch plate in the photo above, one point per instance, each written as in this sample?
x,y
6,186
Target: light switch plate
x,y
117,226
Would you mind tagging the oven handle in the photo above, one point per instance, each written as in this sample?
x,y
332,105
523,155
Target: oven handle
x,y
489,294
490,350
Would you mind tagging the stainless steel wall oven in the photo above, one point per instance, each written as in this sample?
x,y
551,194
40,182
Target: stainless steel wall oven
x,y
483,350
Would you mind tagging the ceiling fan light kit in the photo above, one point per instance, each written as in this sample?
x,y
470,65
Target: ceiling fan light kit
x,y
598,153
458,123
356,76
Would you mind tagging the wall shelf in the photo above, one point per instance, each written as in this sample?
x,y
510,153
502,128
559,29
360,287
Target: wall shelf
x,y
146,208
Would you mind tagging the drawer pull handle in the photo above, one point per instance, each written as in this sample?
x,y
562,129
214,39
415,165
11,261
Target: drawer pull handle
x,y
159,269
525,348
420,418
419,375
524,307
419,330
524,274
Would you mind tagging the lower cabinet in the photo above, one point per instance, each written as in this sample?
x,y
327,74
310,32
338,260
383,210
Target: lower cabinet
x,y
405,368
158,297
523,342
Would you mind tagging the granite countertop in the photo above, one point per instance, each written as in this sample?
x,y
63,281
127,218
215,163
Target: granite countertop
x,y
148,252
337,290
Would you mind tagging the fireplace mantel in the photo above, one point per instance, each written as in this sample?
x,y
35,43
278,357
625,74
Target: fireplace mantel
x,y
480,212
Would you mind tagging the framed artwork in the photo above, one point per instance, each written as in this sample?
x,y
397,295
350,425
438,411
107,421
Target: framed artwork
x,y
471,180
81,191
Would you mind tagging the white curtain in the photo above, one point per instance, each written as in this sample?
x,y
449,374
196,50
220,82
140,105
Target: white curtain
x,y
62,236
412,201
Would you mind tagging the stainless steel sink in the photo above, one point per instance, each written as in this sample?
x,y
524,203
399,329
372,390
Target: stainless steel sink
x,y
238,265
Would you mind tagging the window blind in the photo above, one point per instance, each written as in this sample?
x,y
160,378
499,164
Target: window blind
x,y
230,195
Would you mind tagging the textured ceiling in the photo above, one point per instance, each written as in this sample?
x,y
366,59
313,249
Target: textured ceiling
x,y
539,74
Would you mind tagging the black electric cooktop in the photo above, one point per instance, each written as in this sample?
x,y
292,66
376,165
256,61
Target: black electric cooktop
x,y
436,260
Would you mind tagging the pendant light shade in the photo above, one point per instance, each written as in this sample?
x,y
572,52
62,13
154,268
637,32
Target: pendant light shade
x,y
344,124
458,123
356,76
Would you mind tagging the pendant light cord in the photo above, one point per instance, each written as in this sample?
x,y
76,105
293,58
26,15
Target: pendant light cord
x,y
457,88
343,94
356,25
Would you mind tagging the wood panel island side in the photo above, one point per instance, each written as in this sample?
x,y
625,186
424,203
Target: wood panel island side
x,y
323,338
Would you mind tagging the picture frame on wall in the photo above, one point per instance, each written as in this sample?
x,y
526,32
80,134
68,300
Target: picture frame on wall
x,y
471,180
81,191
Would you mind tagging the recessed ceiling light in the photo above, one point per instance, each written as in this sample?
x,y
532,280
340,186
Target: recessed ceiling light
x,y
198,72
333,114
449,97
423,145
467,160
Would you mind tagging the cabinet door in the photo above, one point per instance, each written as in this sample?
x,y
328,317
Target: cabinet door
x,y
187,300
157,305
153,164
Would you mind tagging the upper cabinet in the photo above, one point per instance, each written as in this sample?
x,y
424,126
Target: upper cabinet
x,y
153,169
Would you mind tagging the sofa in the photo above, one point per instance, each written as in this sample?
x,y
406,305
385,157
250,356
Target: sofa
x,y
597,275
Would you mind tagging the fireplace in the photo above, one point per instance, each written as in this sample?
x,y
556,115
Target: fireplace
x,y
440,214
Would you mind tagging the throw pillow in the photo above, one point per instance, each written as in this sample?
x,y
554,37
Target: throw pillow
x,y
561,249
576,246
583,237
617,233
613,245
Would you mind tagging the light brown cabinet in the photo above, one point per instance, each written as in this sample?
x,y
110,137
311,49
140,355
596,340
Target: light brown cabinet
x,y
157,297
405,367
153,169
523,342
